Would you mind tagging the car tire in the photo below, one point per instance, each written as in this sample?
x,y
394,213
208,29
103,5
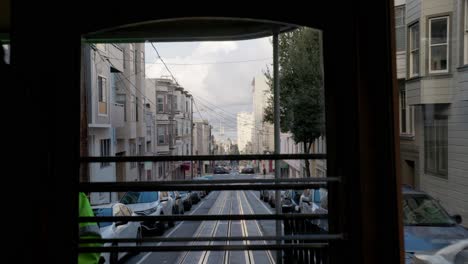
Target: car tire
x,y
161,226
139,236
171,223
114,256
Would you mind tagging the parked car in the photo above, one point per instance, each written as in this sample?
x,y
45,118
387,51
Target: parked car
x,y
178,206
456,253
207,177
264,194
195,196
220,170
117,229
186,198
150,203
427,225
315,201
272,197
290,201
202,193
248,170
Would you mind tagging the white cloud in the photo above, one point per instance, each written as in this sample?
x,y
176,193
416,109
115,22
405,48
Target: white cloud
x,y
225,85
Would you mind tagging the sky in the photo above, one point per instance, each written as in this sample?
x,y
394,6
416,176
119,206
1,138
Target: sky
x,y
218,74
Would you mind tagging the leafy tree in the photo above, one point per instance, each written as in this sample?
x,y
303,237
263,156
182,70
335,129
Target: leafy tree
x,y
301,88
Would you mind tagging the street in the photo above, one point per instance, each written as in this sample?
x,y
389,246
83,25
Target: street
x,y
218,202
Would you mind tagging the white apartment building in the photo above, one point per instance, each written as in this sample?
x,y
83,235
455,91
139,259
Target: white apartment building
x,y
262,134
114,80
297,168
245,125
202,145
173,108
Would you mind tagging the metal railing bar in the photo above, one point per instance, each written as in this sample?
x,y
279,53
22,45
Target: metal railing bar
x,y
179,248
94,159
87,219
145,186
319,237
321,180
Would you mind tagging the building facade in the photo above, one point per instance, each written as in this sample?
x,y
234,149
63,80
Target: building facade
x,y
245,125
202,145
432,67
115,91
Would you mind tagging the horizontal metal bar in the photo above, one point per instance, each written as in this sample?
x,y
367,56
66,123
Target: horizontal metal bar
x,y
262,180
286,216
93,159
315,237
132,249
204,185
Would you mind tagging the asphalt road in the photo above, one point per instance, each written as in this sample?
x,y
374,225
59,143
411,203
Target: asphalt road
x,y
217,202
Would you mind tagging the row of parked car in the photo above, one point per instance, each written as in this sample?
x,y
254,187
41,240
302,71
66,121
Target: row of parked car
x,y
431,234
308,201
143,204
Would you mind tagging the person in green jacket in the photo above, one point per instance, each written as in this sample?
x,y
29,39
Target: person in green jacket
x,y
88,230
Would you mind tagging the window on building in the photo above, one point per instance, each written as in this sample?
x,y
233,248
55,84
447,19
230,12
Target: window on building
x,y
465,43
160,170
438,44
402,107
186,107
175,102
162,135
104,151
148,146
133,108
400,28
414,50
136,109
121,99
102,94
435,140
160,104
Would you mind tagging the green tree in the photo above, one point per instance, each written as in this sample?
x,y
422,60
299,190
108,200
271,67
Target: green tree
x,y
301,88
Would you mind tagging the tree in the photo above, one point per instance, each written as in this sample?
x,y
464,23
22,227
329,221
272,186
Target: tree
x,y
301,88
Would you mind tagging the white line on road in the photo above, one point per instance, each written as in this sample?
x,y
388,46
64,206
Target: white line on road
x,y
261,202
270,257
170,233
245,233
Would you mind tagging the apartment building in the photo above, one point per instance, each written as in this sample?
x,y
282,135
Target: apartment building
x,y
114,81
432,66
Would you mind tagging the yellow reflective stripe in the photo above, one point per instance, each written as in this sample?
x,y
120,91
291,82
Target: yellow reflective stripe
x,y
89,230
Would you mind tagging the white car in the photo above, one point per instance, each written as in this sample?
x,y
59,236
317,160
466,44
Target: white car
x,y
315,201
116,229
150,203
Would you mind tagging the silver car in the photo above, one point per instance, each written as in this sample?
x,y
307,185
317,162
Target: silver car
x,y
150,203
117,229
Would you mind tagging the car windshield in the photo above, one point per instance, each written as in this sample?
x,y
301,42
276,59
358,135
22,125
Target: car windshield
x,y
139,197
103,212
424,211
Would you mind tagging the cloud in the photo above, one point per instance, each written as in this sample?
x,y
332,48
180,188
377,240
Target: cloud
x,y
227,85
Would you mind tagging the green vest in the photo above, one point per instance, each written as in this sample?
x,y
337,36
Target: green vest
x,y
88,230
